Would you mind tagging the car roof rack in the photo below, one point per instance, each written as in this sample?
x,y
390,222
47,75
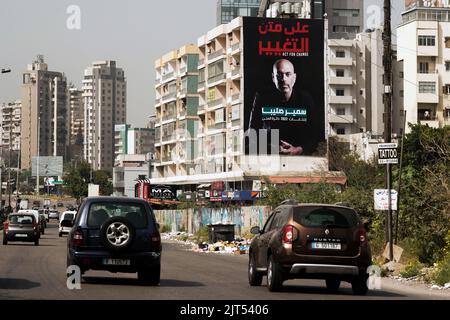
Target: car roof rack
x,y
342,204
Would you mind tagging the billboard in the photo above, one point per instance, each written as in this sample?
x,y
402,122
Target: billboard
x,y
410,4
284,106
48,166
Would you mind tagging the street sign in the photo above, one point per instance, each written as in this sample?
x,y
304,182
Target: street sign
x,y
387,153
380,197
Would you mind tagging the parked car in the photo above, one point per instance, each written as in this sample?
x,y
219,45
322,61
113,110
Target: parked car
x,y
116,234
60,204
21,227
66,222
313,241
37,218
42,223
53,214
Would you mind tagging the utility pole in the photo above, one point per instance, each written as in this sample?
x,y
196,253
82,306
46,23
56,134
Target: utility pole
x,y
387,63
9,158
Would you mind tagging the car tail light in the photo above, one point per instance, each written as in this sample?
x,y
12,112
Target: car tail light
x,y
77,238
6,226
155,237
362,236
35,226
289,234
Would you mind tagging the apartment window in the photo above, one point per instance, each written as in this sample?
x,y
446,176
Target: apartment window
x,y
361,92
427,87
345,29
340,111
346,13
446,89
340,73
402,93
423,67
429,41
340,92
340,54
401,74
447,65
340,131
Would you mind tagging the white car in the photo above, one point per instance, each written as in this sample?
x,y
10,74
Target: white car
x,y
66,222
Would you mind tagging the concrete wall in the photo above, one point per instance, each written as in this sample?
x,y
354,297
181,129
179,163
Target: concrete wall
x,y
191,220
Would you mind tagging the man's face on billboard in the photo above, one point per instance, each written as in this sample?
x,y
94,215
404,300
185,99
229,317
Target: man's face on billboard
x,y
284,77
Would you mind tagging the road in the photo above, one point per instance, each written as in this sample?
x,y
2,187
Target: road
x,y
30,272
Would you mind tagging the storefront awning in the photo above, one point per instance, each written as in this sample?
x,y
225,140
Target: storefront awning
x,y
308,179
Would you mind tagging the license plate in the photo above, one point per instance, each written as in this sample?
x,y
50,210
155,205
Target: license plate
x,y
326,245
20,235
116,262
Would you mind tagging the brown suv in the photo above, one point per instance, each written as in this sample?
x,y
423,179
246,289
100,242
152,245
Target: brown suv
x,y
312,241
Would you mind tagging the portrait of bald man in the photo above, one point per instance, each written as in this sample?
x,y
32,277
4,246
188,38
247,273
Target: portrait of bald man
x,y
285,93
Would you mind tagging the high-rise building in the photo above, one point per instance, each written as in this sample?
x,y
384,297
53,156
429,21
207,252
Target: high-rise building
x,y
76,124
10,117
133,140
227,10
423,40
345,17
104,100
44,128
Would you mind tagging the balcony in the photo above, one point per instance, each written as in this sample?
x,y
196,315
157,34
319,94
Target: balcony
x,y
334,118
215,54
341,99
217,78
236,72
201,62
433,123
221,125
169,116
341,81
168,97
183,70
235,47
168,76
216,103
341,62
182,113
201,108
201,85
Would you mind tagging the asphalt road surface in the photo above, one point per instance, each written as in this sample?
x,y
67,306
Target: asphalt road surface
x,y
39,272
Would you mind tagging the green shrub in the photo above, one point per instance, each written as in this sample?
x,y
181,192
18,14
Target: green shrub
x,y
412,269
202,235
166,228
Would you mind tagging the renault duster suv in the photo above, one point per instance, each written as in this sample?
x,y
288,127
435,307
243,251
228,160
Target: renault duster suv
x,y
116,234
312,241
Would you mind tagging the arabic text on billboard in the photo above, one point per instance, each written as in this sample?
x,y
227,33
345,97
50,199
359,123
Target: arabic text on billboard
x,y
284,86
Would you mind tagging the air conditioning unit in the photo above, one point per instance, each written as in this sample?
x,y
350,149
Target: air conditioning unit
x,y
286,8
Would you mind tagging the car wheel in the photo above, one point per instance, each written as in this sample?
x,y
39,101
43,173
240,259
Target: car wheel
x,y
36,242
274,275
42,231
60,234
5,241
117,234
333,284
254,277
150,276
359,285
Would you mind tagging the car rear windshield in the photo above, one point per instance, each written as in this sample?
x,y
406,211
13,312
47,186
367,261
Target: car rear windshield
x,y
331,217
21,219
69,216
100,212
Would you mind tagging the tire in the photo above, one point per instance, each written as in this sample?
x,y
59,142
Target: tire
x,y
254,277
42,231
150,276
5,241
60,234
274,275
36,242
359,285
117,234
333,284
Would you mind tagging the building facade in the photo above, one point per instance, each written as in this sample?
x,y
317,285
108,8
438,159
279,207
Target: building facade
x,y
104,100
228,10
76,124
423,47
133,140
11,118
129,168
44,127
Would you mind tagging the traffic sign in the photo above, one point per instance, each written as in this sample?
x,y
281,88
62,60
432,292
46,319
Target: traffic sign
x,y
387,153
380,199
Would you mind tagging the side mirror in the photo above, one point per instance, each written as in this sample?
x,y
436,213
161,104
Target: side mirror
x,y
367,226
255,230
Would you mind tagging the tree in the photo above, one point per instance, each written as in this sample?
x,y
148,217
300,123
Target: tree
x,y
103,179
76,180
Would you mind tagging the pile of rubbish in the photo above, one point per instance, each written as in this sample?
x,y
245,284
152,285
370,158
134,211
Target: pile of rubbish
x,y
238,246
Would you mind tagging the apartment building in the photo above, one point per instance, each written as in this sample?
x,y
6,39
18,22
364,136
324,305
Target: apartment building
x,y
423,40
133,140
355,86
11,118
76,123
44,127
104,101
345,17
228,10
128,170
176,105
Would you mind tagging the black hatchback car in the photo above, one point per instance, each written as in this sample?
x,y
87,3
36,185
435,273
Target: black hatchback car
x,y
116,234
315,241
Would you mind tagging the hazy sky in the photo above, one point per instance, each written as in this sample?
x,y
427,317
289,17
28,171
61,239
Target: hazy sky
x,y
134,33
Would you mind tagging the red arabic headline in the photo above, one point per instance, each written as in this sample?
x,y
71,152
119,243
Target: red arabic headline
x,y
295,44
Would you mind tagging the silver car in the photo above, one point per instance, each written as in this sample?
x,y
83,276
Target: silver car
x,y
21,227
